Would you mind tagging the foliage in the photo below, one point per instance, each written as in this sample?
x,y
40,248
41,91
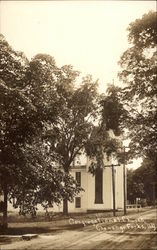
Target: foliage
x,y
147,175
16,117
40,182
135,188
142,32
41,77
105,138
13,65
140,181
100,144
17,127
46,122
29,104
71,130
139,99
139,96
17,113
69,134
112,111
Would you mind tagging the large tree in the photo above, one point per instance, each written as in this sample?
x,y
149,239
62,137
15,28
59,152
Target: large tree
x,y
140,182
39,181
16,115
147,175
69,135
16,127
27,106
135,187
139,94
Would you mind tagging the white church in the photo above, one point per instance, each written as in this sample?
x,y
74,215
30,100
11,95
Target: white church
x,y
98,189
100,193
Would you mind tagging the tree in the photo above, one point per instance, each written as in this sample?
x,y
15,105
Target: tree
x,y
101,142
106,136
42,76
16,126
112,110
27,106
69,135
13,65
147,175
139,96
16,115
40,182
135,187
140,181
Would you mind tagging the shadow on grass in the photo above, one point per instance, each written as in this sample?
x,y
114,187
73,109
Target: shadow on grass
x,y
5,240
37,230
24,230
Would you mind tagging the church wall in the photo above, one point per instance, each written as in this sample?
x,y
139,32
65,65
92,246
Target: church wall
x,y
107,189
119,187
87,197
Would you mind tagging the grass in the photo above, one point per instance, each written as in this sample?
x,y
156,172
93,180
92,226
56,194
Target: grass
x,y
19,225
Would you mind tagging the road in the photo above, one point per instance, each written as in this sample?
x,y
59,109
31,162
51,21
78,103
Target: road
x,y
131,232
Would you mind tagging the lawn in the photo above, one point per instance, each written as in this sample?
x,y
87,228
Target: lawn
x,y
19,225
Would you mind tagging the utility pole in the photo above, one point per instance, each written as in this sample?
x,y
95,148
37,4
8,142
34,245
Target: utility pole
x,y
124,179
113,191
154,195
113,186
124,182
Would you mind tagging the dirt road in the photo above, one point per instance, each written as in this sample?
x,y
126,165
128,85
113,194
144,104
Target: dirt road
x,y
130,232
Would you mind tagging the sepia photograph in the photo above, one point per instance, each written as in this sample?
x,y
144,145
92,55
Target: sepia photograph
x,y
78,125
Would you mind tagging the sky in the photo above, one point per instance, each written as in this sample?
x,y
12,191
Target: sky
x,y
90,35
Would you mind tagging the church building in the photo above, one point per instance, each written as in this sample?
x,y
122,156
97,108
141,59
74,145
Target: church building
x,y
98,189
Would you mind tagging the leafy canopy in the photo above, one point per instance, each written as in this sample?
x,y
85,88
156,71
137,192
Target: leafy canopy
x,y
29,102
139,95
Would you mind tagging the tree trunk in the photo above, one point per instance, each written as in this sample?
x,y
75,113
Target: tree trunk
x,y
65,201
5,207
65,207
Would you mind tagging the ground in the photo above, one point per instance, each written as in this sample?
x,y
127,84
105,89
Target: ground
x,y
134,231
